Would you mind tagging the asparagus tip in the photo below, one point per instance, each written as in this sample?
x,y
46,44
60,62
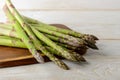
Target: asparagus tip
x,y
91,45
61,64
94,47
94,37
65,67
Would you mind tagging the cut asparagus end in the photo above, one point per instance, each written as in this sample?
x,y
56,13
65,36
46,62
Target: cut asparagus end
x,y
78,57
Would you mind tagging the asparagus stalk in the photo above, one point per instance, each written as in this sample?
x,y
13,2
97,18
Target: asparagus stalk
x,y
11,42
62,40
22,34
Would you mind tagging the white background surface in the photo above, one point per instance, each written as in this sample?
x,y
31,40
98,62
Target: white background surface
x,y
99,17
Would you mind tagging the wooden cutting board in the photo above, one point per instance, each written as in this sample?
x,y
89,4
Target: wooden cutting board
x,y
15,56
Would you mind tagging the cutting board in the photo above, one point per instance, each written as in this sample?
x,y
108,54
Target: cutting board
x,y
10,57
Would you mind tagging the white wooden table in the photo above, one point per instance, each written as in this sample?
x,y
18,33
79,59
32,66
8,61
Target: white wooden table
x,y
99,17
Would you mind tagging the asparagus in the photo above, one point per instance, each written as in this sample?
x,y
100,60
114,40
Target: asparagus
x,y
62,40
11,42
22,34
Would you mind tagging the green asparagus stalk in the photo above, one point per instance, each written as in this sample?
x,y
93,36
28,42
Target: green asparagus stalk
x,y
73,48
22,34
62,40
51,56
11,42
77,56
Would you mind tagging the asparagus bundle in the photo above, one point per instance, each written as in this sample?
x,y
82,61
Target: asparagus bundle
x,y
25,32
38,45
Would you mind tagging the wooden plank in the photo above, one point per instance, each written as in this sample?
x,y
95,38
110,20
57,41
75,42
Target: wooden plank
x,y
94,70
73,17
105,25
105,62
76,17
66,4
